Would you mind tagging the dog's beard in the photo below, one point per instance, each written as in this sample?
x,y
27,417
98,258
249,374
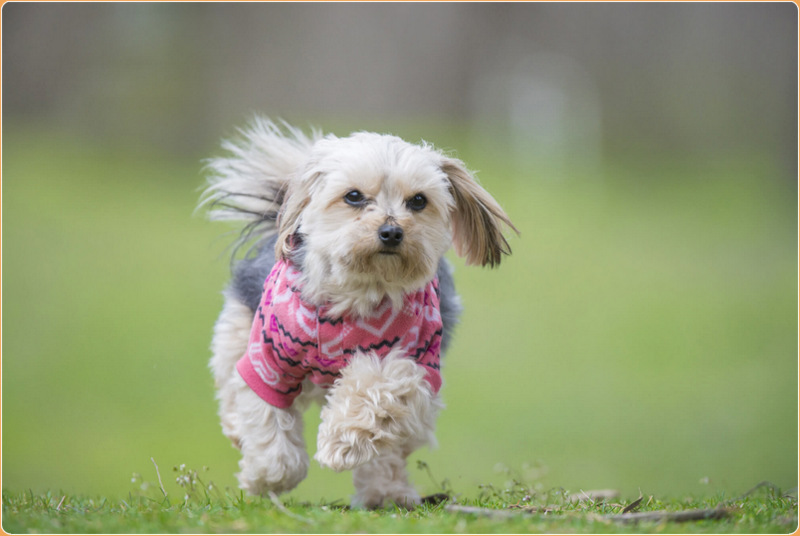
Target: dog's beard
x,y
407,266
359,276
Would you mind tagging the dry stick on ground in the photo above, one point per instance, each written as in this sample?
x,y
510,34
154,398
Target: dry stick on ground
x,y
678,517
660,515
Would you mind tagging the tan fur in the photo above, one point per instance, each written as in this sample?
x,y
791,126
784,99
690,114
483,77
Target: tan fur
x,y
478,219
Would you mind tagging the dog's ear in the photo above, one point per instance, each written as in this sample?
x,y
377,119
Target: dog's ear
x,y
477,219
298,194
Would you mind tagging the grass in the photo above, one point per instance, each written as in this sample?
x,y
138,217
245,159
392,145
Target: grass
x,y
204,508
642,335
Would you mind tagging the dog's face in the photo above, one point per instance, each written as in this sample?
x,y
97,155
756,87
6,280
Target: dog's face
x,y
378,207
376,213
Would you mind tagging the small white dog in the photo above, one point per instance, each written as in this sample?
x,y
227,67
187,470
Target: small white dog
x,y
345,299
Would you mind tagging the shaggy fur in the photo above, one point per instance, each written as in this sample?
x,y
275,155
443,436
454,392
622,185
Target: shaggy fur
x,y
322,203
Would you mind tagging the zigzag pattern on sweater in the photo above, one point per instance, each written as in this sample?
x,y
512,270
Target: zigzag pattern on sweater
x,y
279,352
292,340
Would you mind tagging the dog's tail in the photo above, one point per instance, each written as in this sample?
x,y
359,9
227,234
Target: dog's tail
x,y
249,182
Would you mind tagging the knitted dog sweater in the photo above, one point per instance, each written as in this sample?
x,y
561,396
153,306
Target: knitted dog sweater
x,y
292,340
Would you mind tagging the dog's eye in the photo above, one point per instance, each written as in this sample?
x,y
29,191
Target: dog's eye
x,y
418,202
354,198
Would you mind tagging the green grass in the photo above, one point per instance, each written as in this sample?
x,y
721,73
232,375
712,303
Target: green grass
x,y
203,508
642,335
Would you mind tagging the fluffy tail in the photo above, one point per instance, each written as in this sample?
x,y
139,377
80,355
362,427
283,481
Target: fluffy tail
x,y
248,184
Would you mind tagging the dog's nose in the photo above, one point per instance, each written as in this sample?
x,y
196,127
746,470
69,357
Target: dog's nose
x,y
390,235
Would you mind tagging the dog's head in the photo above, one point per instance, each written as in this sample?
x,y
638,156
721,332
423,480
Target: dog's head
x,y
376,213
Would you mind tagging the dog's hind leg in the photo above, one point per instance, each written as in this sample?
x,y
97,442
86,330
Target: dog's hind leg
x,y
231,336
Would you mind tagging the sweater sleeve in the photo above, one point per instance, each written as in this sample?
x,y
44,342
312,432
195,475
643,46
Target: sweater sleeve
x,y
280,394
267,366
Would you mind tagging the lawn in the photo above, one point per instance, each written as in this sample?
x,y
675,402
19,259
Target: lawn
x,y
643,335
203,508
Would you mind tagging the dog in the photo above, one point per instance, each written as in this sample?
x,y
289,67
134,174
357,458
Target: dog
x,y
344,298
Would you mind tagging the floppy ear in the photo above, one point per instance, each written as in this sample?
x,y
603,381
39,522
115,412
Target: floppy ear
x,y
298,195
477,219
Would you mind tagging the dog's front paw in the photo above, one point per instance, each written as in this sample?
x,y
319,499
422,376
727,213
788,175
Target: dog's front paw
x,y
342,448
274,456
377,405
278,466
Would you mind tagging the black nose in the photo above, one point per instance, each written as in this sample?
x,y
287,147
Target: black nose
x,y
390,235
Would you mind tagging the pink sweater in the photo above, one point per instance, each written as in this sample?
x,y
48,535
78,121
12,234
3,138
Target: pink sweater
x,y
292,340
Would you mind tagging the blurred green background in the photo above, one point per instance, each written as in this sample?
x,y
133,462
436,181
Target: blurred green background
x,y
642,335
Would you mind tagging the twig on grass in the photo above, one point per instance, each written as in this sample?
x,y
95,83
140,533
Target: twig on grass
x,y
659,515
480,511
634,505
677,517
